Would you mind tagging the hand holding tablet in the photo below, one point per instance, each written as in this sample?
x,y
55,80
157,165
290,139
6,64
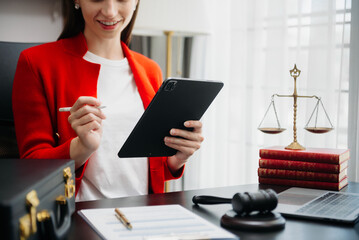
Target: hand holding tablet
x,y
177,101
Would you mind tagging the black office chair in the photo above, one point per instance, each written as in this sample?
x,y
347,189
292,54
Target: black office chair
x,y
9,55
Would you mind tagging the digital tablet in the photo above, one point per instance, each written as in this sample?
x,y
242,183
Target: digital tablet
x,y
177,101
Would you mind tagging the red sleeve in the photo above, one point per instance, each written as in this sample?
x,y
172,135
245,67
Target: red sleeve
x,y
35,128
169,175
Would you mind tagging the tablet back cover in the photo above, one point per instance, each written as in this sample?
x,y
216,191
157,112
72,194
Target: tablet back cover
x,y
177,101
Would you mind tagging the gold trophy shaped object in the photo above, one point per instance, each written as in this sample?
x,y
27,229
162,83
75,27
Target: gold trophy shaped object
x,y
295,73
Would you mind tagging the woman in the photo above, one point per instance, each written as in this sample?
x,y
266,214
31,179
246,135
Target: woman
x,y
89,66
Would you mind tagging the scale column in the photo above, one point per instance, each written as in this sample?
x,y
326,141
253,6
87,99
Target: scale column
x,y
295,145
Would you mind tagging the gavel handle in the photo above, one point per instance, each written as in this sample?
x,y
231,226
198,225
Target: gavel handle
x,y
210,200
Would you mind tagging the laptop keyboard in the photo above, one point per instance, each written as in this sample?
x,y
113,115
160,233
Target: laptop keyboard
x,y
335,205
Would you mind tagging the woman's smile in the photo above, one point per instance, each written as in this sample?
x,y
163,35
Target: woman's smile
x,y
108,25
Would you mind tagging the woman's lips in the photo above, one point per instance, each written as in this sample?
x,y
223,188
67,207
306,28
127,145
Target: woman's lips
x,y
108,25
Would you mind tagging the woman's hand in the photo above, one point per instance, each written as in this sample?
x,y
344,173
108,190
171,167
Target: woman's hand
x,y
86,120
187,145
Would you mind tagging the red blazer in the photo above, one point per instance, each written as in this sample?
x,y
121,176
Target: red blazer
x,y
54,75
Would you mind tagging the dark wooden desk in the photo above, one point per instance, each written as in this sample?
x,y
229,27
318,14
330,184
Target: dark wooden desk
x,y
294,229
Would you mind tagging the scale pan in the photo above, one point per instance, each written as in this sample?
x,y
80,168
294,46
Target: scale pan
x,y
318,129
271,130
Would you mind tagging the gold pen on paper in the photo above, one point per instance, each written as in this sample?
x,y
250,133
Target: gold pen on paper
x,y
123,219
67,109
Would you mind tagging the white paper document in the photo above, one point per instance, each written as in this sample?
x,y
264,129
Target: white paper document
x,y
161,222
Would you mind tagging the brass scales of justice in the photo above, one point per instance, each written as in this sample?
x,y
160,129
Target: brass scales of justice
x,y
315,129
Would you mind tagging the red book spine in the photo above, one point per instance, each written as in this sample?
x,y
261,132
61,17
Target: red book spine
x,y
320,155
302,166
301,175
307,184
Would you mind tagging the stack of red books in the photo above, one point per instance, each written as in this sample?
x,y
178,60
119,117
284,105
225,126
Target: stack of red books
x,y
321,168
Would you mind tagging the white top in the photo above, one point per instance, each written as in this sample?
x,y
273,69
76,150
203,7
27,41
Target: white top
x,y
107,175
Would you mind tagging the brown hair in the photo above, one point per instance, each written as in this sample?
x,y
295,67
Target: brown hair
x,y
74,22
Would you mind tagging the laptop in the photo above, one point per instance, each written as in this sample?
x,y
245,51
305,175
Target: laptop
x,y
316,204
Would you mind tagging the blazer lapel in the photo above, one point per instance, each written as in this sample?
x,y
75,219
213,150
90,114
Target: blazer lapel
x,y
142,80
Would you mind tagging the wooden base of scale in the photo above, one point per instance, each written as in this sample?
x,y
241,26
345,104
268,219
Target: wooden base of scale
x,y
295,146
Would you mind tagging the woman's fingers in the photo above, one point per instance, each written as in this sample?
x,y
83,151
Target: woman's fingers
x,y
185,141
88,118
90,127
86,113
184,149
90,136
84,100
195,135
85,110
196,125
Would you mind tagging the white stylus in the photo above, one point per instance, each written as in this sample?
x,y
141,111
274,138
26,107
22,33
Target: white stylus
x,y
67,109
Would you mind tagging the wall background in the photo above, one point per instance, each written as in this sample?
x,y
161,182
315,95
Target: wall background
x,y
30,21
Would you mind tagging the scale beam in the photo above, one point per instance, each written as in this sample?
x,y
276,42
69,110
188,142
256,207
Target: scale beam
x,y
299,96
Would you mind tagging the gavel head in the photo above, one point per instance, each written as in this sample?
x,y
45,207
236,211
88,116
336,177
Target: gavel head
x,y
262,201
